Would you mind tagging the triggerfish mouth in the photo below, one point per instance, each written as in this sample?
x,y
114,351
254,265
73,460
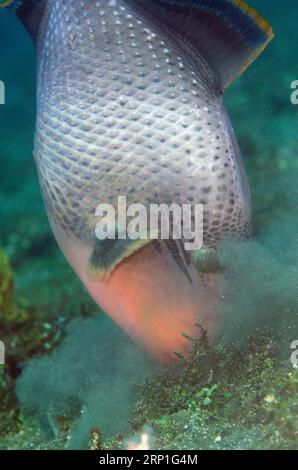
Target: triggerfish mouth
x,y
130,105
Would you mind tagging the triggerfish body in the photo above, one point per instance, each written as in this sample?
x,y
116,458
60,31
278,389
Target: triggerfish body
x,y
130,104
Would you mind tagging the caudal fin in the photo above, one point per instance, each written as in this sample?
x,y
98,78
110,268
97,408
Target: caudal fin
x,y
229,34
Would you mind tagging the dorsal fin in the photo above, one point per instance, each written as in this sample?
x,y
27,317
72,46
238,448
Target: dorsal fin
x,y
227,33
29,12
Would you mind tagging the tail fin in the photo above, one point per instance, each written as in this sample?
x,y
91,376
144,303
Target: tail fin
x,y
227,33
29,12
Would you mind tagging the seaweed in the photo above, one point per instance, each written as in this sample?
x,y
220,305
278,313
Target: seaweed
x,y
221,397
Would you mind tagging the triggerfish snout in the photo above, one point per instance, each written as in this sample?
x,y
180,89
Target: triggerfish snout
x,y
130,104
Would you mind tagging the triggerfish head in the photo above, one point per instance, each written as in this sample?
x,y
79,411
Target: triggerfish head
x,y
130,105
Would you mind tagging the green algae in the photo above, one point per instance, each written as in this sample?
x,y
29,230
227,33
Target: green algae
x,y
26,331
222,398
9,311
219,398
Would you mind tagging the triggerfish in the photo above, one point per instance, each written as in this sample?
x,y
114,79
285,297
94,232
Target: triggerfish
x,y
130,104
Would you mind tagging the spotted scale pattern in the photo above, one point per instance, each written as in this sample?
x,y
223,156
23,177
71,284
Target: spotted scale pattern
x,y
121,113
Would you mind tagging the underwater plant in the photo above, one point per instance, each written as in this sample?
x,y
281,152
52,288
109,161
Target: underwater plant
x,y
9,311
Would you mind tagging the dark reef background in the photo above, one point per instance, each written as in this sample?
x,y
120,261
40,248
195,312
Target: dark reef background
x,y
241,394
